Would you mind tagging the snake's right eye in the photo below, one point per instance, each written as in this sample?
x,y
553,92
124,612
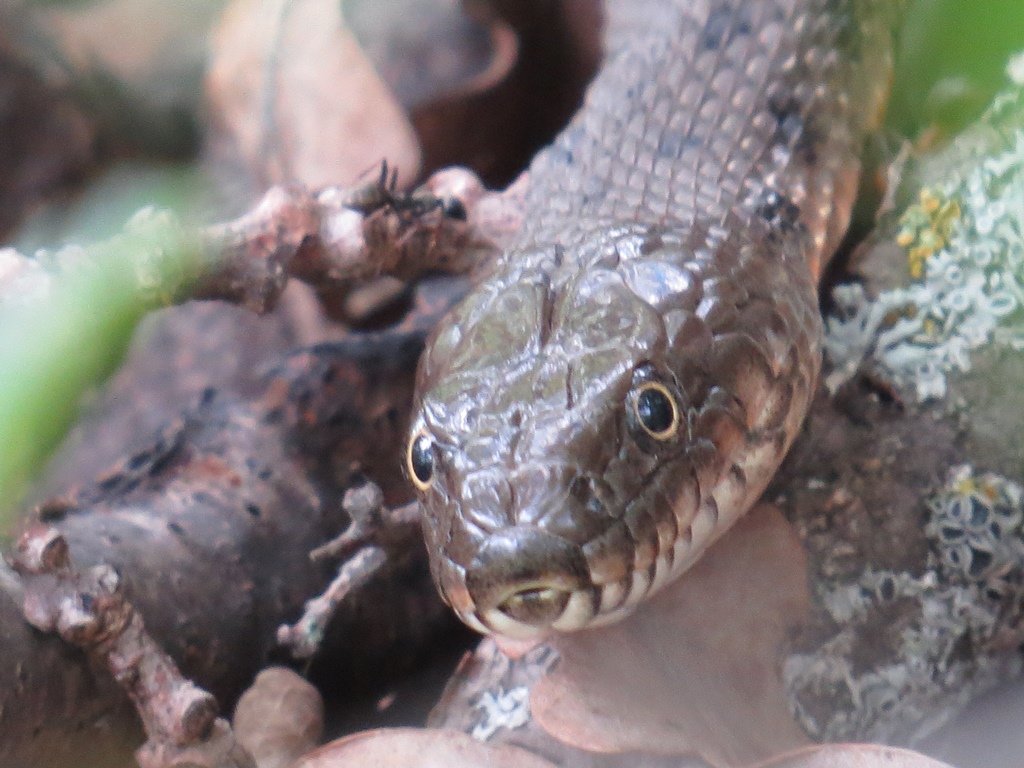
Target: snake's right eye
x,y
419,460
656,410
653,411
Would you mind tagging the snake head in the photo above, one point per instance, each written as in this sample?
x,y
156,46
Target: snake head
x,y
578,433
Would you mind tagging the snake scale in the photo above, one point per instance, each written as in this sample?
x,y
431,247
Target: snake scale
x,y
623,384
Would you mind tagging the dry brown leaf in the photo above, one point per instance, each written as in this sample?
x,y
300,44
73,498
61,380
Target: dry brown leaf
x,y
477,123
853,756
149,43
294,97
417,748
429,49
279,718
696,669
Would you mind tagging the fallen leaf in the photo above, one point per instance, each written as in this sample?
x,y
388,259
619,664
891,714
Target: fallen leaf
x,y
418,748
853,756
696,669
471,122
292,94
160,47
279,718
430,49
134,67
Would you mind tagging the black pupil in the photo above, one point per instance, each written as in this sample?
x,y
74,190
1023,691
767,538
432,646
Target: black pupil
x,y
422,459
654,410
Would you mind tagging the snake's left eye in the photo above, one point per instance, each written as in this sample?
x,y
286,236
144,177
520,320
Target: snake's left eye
x,y
419,460
655,410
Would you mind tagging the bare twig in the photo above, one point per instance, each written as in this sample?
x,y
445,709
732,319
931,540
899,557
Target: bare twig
x,y
337,235
374,531
89,610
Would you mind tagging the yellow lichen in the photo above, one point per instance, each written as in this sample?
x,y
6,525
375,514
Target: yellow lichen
x,y
965,486
925,227
929,201
989,491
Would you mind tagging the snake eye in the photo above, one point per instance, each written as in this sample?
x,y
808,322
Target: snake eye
x,y
419,460
655,410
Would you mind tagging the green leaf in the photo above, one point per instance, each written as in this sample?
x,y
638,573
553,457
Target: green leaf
x,y
54,349
952,61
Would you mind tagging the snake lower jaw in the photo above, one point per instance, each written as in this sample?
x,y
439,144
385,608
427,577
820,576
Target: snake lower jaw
x,y
537,612
533,611
539,606
534,614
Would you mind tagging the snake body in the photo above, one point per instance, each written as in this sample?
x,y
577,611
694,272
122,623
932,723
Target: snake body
x,y
623,384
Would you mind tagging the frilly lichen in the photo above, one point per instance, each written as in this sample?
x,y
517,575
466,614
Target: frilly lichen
x,y
898,652
964,241
969,593
976,524
502,708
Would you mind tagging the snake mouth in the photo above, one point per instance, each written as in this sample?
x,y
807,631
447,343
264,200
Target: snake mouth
x,y
538,605
533,612
525,581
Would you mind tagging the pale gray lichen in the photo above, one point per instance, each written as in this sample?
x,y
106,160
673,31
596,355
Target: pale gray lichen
x,y
898,648
502,708
937,637
965,243
976,523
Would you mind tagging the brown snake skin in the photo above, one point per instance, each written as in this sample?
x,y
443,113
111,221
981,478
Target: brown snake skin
x,y
665,277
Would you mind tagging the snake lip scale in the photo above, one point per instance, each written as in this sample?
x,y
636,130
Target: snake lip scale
x,y
622,385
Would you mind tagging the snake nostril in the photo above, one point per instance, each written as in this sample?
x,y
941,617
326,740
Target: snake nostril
x,y
535,606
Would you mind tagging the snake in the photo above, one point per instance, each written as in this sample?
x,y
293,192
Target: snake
x,y
623,382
